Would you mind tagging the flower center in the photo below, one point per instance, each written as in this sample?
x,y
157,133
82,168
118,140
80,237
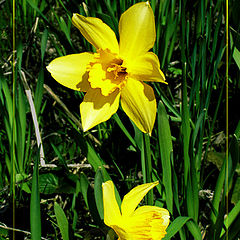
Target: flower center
x,y
107,72
117,69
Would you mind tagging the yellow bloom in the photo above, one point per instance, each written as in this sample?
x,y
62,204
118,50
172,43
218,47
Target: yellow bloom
x,y
115,71
145,223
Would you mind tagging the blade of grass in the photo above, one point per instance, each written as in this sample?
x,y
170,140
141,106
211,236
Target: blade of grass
x,y
175,226
231,216
35,213
165,146
125,131
185,128
61,221
21,129
98,192
39,92
194,229
147,165
44,43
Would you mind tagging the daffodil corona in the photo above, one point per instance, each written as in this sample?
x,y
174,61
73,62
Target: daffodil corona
x,y
115,71
144,223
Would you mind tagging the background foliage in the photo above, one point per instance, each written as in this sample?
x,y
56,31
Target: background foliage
x,y
186,153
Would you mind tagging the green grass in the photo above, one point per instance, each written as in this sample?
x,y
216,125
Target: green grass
x,y
186,149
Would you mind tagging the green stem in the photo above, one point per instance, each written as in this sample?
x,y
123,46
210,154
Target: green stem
x,y
147,165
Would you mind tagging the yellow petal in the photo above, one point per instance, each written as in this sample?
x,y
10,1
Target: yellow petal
x,y
97,108
146,68
111,209
133,198
156,212
147,222
70,70
99,34
137,30
139,103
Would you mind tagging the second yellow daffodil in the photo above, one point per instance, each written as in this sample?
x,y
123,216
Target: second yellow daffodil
x,y
115,71
144,223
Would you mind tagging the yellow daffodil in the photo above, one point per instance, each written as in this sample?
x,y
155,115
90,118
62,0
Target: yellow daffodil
x,y
145,223
115,71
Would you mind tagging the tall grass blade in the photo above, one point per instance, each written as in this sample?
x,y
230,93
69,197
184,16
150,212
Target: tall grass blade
x,y
99,179
147,165
175,226
185,128
21,129
194,229
166,148
35,214
233,214
39,92
61,221
44,43
123,128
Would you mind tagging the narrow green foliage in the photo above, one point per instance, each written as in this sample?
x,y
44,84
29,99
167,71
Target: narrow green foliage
x,y
85,186
39,92
99,179
146,165
194,229
123,128
35,212
61,221
166,148
44,43
175,226
185,128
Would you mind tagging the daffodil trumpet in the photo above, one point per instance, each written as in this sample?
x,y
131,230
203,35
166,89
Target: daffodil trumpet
x,y
117,71
129,223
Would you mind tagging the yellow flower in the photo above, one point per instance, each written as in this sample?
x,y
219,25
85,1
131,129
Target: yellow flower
x,y
145,223
115,71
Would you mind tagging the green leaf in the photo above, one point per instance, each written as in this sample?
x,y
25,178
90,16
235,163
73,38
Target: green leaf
x,y
147,165
19,54
84,185
24,186
93,157
236,192
194,229
231,216
65,29
175,226
197,126
61,159
61,221
8,98
99,179
35,214
48,183
89,198
39,92
236,56
96,161
125,131
218,193
165,145
33,5
21,128
237,131
185,128
44,42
